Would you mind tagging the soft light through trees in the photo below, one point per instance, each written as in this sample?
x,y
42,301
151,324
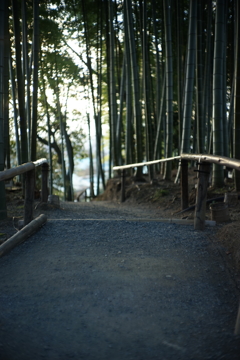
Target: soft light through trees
x,y
159,73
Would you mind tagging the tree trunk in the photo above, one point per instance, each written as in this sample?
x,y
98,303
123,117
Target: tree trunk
x,y
119,127
128,131
189,82
199,78
26,70
20,83
217,176
180,68
6,89
157,144
91,172
157,60
15,112
146,92
113,100
207,76
49,133
69,191
3,17
236,130
169,87
35,78
136,87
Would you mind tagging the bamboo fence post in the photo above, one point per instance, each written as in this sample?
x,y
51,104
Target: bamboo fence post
x,y
237,326
123,185
184,184
29,196
45,192
201,197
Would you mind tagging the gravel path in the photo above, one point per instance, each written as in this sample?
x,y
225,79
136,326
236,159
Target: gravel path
x,y
116,289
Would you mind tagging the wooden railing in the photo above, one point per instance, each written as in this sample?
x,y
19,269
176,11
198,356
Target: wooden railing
x,y
29,170
82,193
204,162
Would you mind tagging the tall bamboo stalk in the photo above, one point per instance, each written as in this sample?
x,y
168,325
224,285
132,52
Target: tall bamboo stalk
x,y
48,123
169,87
112,85
26,71
20,82
35,79
128,131
135,86
189,81
15,110
218,176
236,130
180,68
207,76
146,92
3,208
199,80
6,89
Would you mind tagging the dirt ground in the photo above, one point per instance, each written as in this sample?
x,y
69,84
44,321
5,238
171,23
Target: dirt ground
x,y
91,284
160,195
166,195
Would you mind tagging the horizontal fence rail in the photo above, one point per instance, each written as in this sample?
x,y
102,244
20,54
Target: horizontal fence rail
x,y
29,170
214,159
147,163
83,192
221,160
21,169
204,167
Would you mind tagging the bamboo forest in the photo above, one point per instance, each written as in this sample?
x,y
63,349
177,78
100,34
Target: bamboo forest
x,y
118,82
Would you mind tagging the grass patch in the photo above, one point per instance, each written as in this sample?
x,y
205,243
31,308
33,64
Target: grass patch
x,y
159,194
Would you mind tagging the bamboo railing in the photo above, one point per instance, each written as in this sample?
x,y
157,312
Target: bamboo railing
x,y
29,170
204,162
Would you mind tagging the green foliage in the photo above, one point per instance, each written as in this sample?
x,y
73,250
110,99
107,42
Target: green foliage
x,y
160,193
75,65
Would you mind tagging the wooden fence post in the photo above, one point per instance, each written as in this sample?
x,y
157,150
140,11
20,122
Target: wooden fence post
x,y
237,326
201,197
122,185
44,195
184,184
29,196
